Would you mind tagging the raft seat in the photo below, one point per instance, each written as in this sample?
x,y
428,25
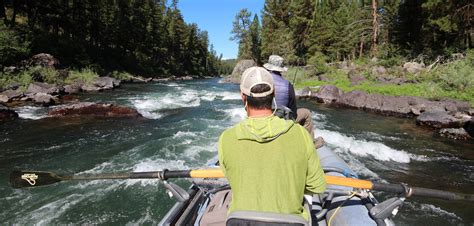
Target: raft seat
x,y
254,218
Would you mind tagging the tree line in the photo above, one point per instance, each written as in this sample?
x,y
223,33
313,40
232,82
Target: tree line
x,y
310,31
149,37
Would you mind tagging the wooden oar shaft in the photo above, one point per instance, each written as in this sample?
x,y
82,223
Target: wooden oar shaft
x,y
334,180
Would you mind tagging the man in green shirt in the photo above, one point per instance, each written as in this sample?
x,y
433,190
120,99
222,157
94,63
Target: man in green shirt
x,y
269,162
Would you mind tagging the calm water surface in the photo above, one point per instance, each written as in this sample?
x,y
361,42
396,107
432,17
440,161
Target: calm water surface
x,y
181,129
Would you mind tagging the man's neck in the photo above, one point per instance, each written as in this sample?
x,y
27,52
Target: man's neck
x,y
258,113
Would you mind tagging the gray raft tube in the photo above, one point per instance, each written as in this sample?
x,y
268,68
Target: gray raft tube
x,y
355,210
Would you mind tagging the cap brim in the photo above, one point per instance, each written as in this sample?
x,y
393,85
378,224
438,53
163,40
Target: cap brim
x,y
272,67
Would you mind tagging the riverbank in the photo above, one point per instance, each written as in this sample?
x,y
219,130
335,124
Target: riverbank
x,y
449,118
41,81
451,78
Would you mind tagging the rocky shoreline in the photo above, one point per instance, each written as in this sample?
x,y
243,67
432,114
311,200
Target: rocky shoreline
x,y
44,94
449,118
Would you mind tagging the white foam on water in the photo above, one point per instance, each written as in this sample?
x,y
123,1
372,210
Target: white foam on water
x,y
230,96
150,105
236,114
430,209
31,112
47,213
147,108
208,97
181,134
363,148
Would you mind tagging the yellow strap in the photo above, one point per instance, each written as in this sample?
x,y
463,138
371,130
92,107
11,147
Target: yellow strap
x,y
334,180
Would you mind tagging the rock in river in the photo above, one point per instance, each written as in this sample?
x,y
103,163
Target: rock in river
x,y
6,113
438,119
328,94
94,110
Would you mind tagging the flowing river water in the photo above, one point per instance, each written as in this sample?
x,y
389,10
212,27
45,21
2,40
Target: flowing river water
x,y
181,129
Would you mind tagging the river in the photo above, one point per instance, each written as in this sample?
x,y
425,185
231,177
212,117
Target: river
x,y
184,120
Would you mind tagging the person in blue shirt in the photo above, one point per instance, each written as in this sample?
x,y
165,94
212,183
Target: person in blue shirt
x,y
285,94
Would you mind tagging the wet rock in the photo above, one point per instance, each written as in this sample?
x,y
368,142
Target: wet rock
x,y
11,95
4,99
454,133
374,103
160,80
90,88
88,109
185,78
7,114
139,79
72,89
396,106
43,98
44,60
471,112
438,120
304,93
413,67
354,99
328,94
38,87
469,127
106,82
238,70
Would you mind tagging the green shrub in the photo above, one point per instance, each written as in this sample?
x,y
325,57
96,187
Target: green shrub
x,y
48,75
121,75
319,61
87,75
458,75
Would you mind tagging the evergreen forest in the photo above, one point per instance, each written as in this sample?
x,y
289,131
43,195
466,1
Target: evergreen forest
x,y
144,37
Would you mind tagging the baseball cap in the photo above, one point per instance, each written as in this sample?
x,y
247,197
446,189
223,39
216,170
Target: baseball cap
x,y
255,76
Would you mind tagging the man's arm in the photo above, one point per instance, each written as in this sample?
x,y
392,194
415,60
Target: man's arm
x,y
292,99
220,154
315,181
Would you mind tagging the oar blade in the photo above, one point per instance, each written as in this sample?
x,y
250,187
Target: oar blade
x,y
24,179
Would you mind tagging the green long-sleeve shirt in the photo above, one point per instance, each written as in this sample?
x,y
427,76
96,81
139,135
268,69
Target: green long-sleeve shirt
x,y
269,163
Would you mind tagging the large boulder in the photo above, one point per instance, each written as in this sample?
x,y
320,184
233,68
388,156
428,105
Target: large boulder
x,y
106,82
43,98
354,99
238,70
397,106
328,94
39,87
438,120
6,113
44,60
94,110
9,95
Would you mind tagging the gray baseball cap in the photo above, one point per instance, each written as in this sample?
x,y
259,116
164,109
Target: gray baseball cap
x,y
275,63
255,76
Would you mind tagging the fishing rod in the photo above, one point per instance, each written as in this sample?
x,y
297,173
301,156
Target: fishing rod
x,y
25,179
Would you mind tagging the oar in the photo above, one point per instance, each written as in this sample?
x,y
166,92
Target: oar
x,y
22,179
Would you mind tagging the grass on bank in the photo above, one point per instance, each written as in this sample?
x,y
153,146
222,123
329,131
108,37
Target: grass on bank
x,y
453,80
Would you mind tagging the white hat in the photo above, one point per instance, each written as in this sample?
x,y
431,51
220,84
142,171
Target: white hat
x,y
275,63
255,76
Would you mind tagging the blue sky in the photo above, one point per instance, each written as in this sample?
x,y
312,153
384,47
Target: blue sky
x,y
216,16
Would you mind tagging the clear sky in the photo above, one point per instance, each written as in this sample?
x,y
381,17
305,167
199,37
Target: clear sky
x,y
216,16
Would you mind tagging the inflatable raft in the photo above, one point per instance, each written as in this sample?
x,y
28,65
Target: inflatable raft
x,y
209,200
